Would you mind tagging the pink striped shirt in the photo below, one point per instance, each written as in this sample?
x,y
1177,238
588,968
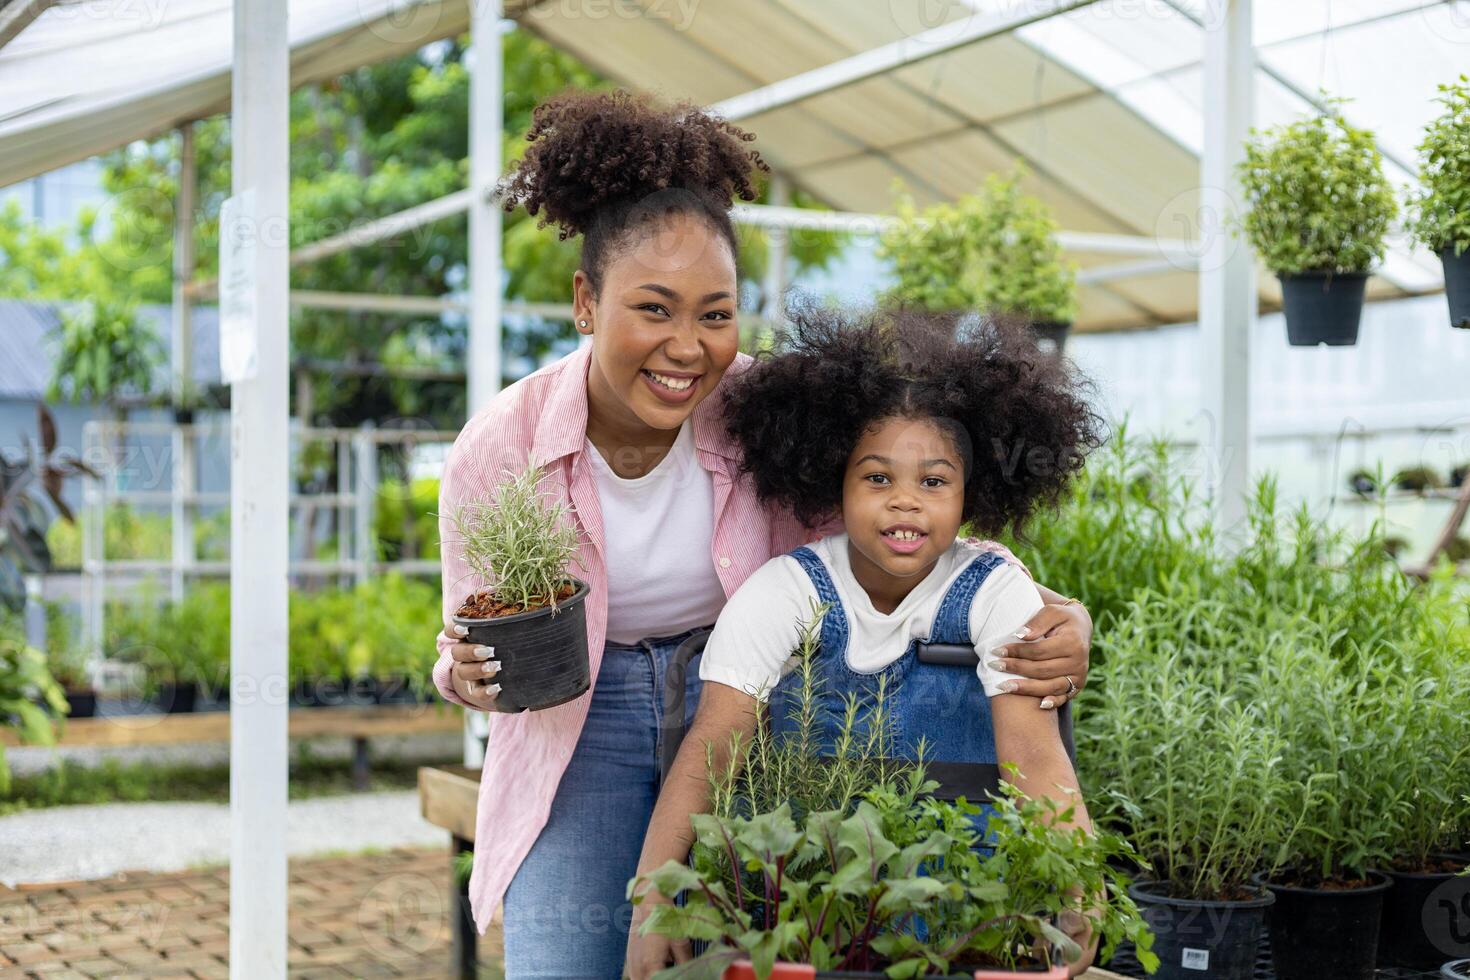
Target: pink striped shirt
x,y
545,415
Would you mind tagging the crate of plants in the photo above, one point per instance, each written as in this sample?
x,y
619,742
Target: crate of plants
x,y
526,606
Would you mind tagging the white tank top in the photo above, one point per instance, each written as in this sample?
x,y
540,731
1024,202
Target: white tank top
x,y
659,530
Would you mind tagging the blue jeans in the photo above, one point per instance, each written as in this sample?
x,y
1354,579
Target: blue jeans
x,y
566,916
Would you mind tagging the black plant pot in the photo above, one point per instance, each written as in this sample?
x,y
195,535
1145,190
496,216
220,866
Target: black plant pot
x,y
542,653
396,690
1455,970
1426,918
177,698
1202,940
1457,285
81,704
1318,933
1323,308
1055,331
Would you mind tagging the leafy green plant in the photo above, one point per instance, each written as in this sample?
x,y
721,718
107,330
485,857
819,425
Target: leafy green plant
x,y
25,681
1439,215
1417,479
103,351
1316,196
405,511
517,544
994,251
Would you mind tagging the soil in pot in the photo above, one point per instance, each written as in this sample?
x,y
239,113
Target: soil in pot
x,y
1457,285
1426,915
1198,939
1323,308
542,652
1324,928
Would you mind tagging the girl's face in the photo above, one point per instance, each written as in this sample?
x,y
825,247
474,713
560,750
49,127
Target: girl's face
x,y
902,501
663,327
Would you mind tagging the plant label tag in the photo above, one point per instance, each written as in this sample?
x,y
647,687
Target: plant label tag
x,y
238,253
1195,959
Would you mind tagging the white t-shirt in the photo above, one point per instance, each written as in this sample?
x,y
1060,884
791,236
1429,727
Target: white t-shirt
x,y
659,530
755,641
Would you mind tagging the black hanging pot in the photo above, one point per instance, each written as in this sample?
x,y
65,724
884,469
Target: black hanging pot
x,y
1457,285
1320,932
1323,307
1202,940
542,653
1426,916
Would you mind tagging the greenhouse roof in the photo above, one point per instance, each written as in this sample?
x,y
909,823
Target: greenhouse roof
x,y
1103,102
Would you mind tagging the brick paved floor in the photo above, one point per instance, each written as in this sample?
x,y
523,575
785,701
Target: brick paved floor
x,y
370,915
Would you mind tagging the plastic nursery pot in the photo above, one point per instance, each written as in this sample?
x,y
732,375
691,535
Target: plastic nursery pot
x,y
542,653
1457,285
742,970
176,699
1321,932
1054,331
81,704
1455,970
1323,308
1196,939
1426,916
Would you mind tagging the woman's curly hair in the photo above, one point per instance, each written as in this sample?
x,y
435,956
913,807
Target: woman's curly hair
x,y
602,164
1017,414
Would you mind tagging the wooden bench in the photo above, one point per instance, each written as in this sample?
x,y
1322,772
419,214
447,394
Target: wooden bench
x,y
358,722
448,796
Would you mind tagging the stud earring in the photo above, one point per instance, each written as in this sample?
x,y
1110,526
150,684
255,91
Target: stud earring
x,y
582,323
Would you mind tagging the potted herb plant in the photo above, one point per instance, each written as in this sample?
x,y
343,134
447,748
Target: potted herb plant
x,y
1191,774
529,607
1440,213
1318,210
1417,479
994,252
68,663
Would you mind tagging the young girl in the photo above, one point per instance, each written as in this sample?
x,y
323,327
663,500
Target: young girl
x,y
907,427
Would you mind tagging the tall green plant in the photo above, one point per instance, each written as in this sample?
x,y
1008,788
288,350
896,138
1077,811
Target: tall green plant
x,y
1440,211
1316,196
994,251
103,351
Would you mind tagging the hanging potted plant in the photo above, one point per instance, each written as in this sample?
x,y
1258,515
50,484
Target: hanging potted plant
x,y
1318,210
995,252
1193,774
529,608
1440,213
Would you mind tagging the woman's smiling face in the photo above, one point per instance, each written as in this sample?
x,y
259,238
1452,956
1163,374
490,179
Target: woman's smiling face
x,y
902,502
663,325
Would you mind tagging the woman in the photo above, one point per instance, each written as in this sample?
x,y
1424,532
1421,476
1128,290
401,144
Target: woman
x,y
631,439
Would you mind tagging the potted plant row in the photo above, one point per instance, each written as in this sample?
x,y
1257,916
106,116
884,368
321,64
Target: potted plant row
x,y
843,865
519,546
993,252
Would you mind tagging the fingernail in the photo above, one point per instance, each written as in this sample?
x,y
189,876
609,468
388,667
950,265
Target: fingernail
x,y
483,652
1022,633
459,630
490,667
1008,686
492,690
997,665
1046,702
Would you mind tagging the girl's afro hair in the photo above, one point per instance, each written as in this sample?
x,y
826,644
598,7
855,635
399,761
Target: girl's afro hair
x,y
599,164
799,411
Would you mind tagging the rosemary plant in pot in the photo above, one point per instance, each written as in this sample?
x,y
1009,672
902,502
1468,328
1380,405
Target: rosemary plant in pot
x,y
994,251
519,546
1440,212
1319,208
1187,769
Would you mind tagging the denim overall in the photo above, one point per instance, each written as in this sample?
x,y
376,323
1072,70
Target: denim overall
x,y
944,705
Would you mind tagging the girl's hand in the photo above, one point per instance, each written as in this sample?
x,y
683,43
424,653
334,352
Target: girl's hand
x,y
473,674
648,954
1055,646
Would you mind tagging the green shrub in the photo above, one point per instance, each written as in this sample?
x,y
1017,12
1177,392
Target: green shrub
x,y
396,504
995,251
1440,212
1317,196
24,681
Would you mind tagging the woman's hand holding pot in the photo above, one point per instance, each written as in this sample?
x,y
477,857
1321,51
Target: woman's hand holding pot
x,y
473,674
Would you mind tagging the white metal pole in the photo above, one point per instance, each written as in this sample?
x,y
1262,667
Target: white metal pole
x,y
487,116
182,356
1227,286
259,487
487,121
